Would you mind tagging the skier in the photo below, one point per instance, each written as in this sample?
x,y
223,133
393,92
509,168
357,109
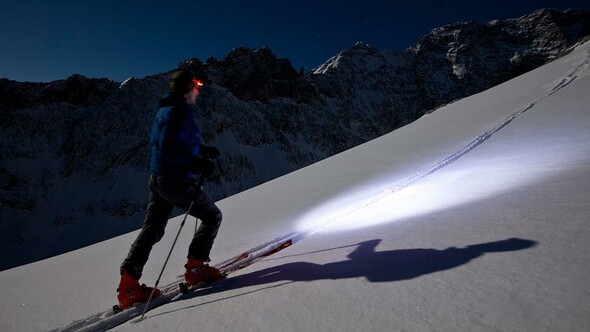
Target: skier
x,y
177,154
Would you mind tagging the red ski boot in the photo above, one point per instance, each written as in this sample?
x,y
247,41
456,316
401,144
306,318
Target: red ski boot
x,y
197,271
131,292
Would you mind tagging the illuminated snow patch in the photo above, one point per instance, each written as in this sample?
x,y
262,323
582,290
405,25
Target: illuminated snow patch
x,y
503,167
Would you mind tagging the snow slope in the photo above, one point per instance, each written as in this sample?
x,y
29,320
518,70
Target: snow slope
x,y
472,218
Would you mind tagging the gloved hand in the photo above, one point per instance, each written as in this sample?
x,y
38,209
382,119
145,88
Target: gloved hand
x,y
209,152
203,166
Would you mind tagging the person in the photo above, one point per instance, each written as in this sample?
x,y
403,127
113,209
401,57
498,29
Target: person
x,y
177,156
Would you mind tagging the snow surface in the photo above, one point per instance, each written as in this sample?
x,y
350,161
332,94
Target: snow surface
x,y
472,218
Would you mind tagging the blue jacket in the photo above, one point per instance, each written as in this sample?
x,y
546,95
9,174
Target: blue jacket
x,y
175,139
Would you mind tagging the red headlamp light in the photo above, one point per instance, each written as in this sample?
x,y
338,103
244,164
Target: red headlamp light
x,y
198,85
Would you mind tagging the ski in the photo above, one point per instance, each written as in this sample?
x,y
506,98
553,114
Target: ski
x,y
173,291
254,258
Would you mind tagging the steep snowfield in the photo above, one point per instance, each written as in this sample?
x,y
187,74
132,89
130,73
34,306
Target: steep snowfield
x,y
436,226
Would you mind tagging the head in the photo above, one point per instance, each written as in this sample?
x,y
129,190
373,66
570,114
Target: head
x,y
185,85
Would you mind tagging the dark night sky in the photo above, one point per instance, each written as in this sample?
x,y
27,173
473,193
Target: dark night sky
x,y
53,39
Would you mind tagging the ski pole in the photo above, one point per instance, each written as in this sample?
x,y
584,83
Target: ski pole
x,y
201,181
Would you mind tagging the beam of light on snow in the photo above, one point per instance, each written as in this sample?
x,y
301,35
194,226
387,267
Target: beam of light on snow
x,y
505,165
467,182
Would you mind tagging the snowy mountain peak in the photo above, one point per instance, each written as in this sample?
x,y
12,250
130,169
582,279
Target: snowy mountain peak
x,y
130,79
353,59
249,74
332,63
361,45
552,28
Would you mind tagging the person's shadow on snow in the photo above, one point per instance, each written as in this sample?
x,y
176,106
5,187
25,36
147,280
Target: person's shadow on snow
x,y
364,261
380,266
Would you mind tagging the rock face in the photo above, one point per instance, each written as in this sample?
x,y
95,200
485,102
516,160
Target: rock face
x,y
75,152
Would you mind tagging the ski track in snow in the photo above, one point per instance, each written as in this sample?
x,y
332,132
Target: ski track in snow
x,y
571,76
105,320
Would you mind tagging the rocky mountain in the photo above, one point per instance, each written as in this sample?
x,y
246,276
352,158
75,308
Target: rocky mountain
x,y
74,158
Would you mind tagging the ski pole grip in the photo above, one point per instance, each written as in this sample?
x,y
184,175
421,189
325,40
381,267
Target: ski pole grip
x,y
201,181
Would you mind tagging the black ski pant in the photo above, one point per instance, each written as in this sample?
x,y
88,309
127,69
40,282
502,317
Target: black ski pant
x,y
165,193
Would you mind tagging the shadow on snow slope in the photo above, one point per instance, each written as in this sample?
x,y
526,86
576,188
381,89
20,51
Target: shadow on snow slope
x,y
364,261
